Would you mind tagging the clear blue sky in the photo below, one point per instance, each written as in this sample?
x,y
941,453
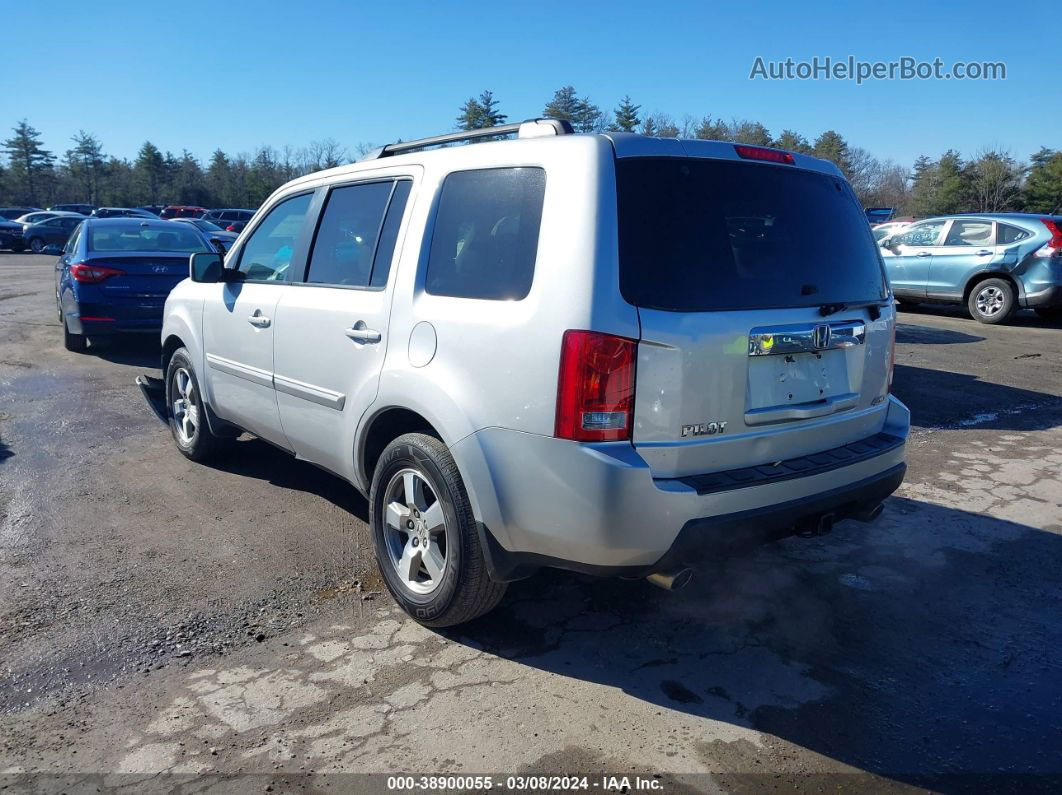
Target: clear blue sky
x,y
282,72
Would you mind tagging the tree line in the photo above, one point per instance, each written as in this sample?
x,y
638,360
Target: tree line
x,y
991,180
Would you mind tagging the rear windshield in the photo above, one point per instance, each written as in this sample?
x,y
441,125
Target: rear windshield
x,y
700,235
134,237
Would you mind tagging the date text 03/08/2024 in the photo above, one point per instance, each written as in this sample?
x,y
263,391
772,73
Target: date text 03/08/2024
x,y
524,782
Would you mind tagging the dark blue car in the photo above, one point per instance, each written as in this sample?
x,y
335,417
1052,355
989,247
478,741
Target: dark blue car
x,y
115,273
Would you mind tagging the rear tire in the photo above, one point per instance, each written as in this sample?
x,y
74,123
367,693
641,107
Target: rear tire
x,y
426,539
187,411
992,301
1050,312
73,342
36,245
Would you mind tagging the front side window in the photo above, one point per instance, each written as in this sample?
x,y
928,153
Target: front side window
x,y
346,238
969,233
485,240
266,256
925,234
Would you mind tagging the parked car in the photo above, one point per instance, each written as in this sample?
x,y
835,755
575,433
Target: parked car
x,y
11,213
993,264
52,232
42,215
83,209
211,231
11,236
154,209
115,273
229,219
879,215
181,211
122,212
456,332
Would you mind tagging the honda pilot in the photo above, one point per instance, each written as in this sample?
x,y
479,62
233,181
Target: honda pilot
x,y
608,353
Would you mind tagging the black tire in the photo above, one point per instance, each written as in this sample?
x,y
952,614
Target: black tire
x,y
73,342
36,245
1050,312
996,299
907,303
198,443
464,590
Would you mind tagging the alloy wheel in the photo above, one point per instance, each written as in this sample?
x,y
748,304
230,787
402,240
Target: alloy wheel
x,y
990,301
415,531
185,406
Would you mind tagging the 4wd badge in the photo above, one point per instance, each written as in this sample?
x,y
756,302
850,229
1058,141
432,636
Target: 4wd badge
x,y
703,428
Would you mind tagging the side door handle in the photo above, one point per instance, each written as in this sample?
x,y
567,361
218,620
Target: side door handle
x,y
258,320
983,252
359,333
923,254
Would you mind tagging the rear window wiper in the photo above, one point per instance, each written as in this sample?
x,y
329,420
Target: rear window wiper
x,y
873,306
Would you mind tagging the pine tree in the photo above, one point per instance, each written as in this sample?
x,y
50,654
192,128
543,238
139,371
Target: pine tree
x,y
30,163
86,163
626,116
150,171
564,105
832,146
1043,187
793,142
708,130
480,112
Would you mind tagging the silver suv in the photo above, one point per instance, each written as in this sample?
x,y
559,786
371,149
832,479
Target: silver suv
x,y
606,353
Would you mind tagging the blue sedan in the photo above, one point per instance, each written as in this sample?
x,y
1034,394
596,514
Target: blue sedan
x,y
115,273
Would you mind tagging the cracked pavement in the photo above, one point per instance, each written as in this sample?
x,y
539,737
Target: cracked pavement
x,y
161,621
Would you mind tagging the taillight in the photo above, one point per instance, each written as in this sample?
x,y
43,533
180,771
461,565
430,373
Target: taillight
x,y
92,274
595,391
1053,247
758,153
230,228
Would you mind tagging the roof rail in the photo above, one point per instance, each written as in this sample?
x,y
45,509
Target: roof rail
x,y
532,128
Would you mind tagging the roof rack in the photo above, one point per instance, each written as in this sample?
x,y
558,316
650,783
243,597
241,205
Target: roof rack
x,y
532,128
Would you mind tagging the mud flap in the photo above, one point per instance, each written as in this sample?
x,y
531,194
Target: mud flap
x,y
154,390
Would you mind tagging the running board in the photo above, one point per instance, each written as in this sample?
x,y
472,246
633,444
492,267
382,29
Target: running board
x,y
154,391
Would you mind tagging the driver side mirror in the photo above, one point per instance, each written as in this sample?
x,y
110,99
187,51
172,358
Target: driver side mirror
x,y
206,267
889,241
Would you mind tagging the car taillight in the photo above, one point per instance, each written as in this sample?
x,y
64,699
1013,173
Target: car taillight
x,y
92,274
595,390
1053,247
758,153
230,228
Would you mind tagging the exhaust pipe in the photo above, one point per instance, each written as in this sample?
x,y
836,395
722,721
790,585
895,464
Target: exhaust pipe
x,y
671,580
870,514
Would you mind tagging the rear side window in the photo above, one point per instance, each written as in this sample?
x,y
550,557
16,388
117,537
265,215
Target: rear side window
x,y
1010,234
346,238
485,239
701,235
969,233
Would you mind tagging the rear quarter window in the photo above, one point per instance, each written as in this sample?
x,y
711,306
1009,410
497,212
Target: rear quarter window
x,y
703,235
485,240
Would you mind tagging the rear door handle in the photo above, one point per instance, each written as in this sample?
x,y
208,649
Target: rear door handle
x,y
983,252
258,320
923,254
359,333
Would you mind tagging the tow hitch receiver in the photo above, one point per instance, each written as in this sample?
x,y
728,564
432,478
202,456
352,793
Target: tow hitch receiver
x,y
812,526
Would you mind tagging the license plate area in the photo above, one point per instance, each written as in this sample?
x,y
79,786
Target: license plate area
x,y
796,379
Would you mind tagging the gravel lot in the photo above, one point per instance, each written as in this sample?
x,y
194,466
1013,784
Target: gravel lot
x,y
158,616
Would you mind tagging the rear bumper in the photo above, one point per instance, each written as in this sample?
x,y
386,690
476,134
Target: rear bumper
x,y
542,501
1050,296
100,320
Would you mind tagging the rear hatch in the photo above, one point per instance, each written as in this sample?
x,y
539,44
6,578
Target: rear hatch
x,y
764,330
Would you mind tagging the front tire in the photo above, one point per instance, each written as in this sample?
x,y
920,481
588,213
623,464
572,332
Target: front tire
x,y
427,544
187,411
992,301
